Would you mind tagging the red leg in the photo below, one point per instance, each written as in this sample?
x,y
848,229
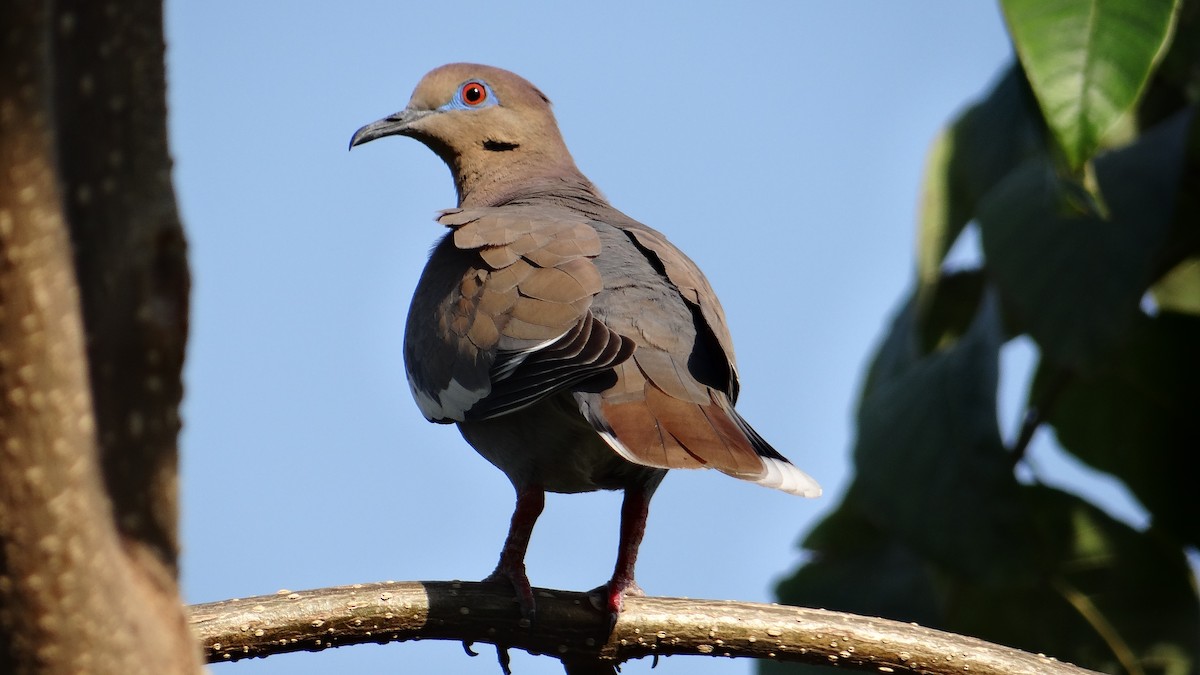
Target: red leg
x,y
635,507
511,567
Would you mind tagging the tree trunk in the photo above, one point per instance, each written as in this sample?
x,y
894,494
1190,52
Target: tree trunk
x,y
93,322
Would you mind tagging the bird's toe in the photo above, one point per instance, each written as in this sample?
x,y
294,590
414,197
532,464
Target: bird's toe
x,y
517,579
610,598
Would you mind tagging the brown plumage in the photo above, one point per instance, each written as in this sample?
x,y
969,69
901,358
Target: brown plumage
x,y
576,348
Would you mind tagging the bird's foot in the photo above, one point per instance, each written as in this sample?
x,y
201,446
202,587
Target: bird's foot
x,y
610,598
515,576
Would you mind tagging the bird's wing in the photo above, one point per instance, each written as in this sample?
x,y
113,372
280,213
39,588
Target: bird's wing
x,y
672,403
501,318
693,286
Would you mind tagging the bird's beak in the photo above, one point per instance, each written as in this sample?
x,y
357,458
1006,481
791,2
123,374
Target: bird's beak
x,y
392,125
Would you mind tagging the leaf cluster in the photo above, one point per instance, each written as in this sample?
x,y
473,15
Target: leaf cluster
x,y
1080,172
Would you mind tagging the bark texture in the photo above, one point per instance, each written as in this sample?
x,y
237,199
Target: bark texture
x,y
93,306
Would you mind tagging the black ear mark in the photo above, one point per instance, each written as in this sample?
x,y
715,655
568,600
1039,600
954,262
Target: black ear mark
x,y
499,146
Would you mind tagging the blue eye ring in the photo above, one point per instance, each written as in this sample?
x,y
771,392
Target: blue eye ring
x,y
474,94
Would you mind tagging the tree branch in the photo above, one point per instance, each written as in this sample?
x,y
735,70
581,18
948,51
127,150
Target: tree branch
x,y
569,628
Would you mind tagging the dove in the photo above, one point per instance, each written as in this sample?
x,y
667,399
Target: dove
x,y
575,348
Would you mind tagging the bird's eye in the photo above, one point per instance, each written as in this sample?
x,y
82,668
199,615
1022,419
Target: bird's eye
x,y
473,93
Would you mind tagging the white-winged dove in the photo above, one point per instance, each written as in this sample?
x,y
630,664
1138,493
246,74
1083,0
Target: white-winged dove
x,y
575,348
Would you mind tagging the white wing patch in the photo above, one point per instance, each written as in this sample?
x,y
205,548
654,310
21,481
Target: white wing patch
x,y
451,403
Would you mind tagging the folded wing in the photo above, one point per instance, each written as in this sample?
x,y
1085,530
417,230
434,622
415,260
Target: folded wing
x,y
501,319
672,405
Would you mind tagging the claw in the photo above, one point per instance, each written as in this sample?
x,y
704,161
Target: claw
x,y
504,659
515,577
610,598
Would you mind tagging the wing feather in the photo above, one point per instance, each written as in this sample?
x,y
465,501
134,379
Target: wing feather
x,y
502,316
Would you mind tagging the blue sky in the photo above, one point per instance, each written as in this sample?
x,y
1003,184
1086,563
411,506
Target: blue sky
x,y
780,144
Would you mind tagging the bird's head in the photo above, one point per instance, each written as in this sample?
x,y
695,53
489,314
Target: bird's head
x,y
490,126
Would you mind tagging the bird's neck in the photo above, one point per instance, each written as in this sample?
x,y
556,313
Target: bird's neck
x,y
516,176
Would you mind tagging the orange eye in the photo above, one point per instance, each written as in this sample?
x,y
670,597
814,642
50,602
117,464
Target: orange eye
x,y
473,93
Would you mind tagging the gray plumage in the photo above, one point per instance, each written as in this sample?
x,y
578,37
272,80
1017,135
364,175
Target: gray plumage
x,y
576,348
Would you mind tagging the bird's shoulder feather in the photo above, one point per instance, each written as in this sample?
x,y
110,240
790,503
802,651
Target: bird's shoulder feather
x,y
501,318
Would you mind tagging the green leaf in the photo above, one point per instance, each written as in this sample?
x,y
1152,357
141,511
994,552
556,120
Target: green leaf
x,y
1179,290
1088,62
1139,419
965,161
896,354
1098,593
857,567
1072,276
954,304
1177,78
937,225
1109,597
931,466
